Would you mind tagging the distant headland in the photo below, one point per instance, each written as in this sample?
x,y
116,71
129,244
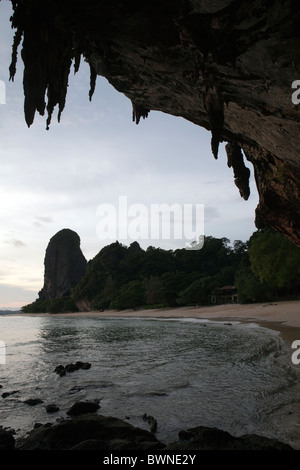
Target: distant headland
x,y
265,268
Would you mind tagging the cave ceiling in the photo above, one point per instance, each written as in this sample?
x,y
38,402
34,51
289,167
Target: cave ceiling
x,y
229,66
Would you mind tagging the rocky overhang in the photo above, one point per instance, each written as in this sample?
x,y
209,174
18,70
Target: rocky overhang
x,y
230,66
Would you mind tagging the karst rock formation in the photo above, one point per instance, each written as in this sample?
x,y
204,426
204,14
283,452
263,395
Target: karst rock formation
x,y
64,265
230,66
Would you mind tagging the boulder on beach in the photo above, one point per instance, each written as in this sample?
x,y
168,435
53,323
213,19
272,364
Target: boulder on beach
x,y
7,440
8,394
82,407
206,438
52,408
33,401
152,422
91,431
62,370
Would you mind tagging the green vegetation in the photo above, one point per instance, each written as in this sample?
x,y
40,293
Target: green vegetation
x,y
271,269
265,268
62,305
274,260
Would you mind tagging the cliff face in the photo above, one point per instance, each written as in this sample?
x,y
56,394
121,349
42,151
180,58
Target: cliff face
x,y
225,65
64,263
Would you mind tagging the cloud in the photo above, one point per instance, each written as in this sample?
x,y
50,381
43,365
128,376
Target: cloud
x,y
18,243
211,213
15,242
39,221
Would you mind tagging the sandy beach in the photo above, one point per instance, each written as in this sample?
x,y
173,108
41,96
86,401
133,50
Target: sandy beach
x,y
281,316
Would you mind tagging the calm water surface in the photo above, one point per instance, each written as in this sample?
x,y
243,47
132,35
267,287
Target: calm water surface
x,y
185,373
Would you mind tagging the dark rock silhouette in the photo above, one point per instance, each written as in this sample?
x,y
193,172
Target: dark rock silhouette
x,y
7,394
62,370
151,421
83,407
52,408
206,438
7,441
33,401
91,431
64,265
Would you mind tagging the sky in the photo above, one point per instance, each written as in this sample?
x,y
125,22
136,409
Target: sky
x,y
96,155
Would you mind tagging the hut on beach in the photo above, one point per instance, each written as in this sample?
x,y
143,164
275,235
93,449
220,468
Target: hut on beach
x,y
224,295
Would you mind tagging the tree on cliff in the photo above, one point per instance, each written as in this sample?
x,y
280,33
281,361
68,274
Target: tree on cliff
x,y
274,259
131,295
249,287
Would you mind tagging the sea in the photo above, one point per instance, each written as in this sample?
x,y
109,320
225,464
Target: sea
x,y
234,376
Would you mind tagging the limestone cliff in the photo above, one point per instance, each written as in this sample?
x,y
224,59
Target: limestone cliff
x,y
64,265
225,65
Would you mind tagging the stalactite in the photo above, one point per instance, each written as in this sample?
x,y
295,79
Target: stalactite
x,y
215,110
65,82
139,112
14,56
57,84
34,79
241,172
77,59
47,53
93,78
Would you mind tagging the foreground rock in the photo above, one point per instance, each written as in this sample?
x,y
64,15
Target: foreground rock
x,y
33,401
205,438
62,370
152,422
104,433
7,441
83,407
91,432
7,394
52,408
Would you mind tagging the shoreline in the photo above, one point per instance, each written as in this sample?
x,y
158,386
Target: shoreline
x,y
282,316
